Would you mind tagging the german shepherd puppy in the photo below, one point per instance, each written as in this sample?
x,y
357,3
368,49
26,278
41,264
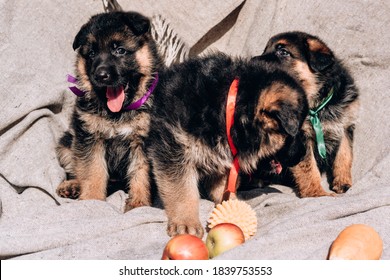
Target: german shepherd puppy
x,y
116,67
188,144
334,103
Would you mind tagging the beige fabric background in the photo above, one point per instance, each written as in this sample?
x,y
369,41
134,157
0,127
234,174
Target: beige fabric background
x,y
36,54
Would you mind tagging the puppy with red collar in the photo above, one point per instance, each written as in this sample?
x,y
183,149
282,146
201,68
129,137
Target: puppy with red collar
x,y
215,116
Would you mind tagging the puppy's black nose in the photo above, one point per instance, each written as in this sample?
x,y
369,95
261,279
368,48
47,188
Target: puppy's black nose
x,y
102,74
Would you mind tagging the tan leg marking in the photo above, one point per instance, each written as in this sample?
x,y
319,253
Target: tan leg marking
x,y
308,178
342,166
217,189
139,181
180,196
92,174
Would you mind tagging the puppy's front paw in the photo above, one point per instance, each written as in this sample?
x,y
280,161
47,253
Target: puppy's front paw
x,y
314,192
133,203
341,188
69,189
194,228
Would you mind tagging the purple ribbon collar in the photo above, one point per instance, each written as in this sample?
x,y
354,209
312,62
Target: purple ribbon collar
x,y
133,106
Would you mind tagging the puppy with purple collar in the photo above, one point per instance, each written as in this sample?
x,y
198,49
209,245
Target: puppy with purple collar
x,y
117,68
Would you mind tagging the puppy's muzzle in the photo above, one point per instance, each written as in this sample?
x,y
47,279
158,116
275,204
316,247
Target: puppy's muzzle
x,y
103,75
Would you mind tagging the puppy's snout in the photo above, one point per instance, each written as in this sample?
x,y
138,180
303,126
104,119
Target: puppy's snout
x,y
103,75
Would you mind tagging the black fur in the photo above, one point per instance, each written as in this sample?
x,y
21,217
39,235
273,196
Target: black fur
x,y
187,143
339,114
114,50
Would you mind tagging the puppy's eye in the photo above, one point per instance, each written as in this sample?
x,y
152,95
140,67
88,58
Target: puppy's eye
x,y
120,51
91,54
282,52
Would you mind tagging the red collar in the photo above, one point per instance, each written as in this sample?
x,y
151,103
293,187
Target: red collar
x,y
230,108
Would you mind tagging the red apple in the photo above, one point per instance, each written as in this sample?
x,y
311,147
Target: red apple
x,y
223,237
185,247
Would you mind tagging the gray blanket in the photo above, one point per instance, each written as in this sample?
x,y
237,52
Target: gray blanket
x,y
35,56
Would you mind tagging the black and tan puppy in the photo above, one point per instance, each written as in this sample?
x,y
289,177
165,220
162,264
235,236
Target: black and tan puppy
x,y
116,68
188,143
334,103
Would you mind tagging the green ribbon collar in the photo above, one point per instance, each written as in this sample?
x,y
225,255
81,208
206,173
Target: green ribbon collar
x,y
315,121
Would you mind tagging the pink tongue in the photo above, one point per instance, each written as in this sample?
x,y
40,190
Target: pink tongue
x,y
115,98
276,166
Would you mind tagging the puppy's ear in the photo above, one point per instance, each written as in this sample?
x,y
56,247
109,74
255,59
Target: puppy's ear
x,y
293,150
293,109
138,23
81,36
282,107
289,120
320,56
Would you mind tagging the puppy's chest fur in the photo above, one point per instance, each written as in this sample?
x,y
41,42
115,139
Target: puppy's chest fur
x,y
332,129
131,128
119,138
335,118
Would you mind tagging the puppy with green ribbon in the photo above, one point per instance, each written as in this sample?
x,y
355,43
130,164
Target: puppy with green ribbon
x,y
334,103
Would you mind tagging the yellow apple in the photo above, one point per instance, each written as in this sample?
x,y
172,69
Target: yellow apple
x,y
223,237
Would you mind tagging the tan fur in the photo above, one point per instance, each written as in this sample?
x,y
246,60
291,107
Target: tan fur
x,y
69,188
91,39
308,177
84,82
276,142
307,78
352,112
317,46
143,57
268,102
133,128
109,138
217,188
275,93
123,37
290,46
268,123
139,184
342,166
183,217
92,174
316,68
283,42
308,81
66,158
